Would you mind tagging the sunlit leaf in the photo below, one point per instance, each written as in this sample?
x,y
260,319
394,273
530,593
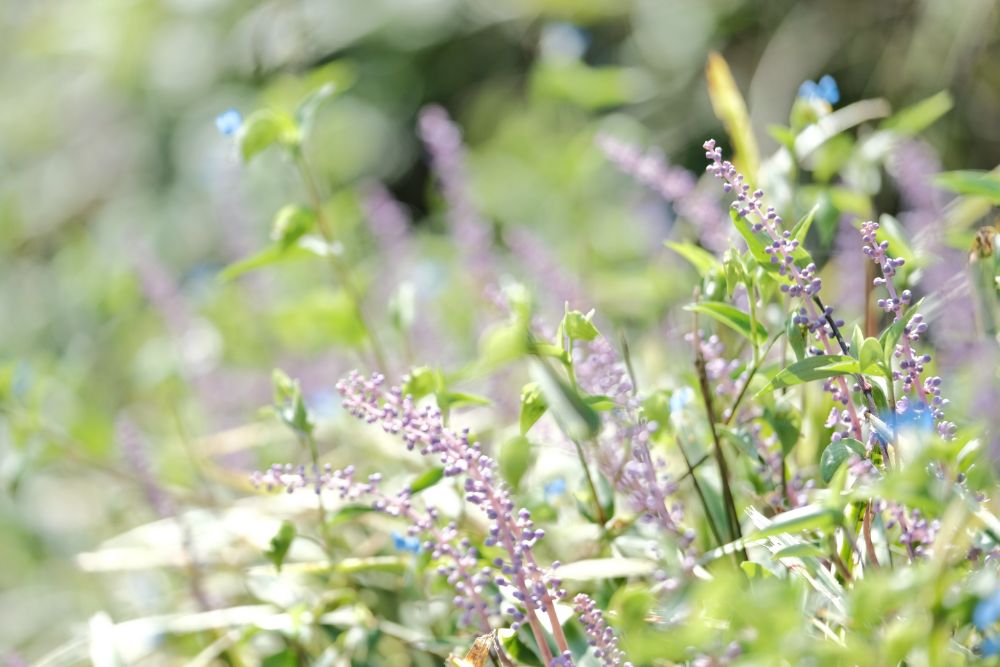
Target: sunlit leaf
x,y
732,317
812,368
836,453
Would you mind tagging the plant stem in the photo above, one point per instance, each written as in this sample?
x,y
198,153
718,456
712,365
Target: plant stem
x,y
720,457
601,516
701,494
339,267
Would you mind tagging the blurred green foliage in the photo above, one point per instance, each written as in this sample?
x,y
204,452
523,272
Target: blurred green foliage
x,y
129,228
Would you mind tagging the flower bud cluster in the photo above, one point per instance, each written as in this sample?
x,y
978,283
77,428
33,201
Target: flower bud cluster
x,y
911,364
291,478
623,454
800,281
600,636
422,429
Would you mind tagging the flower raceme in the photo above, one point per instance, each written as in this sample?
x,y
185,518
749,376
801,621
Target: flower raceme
x,y
799,281
911,364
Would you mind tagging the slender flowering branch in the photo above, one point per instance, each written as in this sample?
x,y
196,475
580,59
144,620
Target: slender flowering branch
x,y
444,544
443,140
534,588
800,281
675,185
599,635
623,454
911,363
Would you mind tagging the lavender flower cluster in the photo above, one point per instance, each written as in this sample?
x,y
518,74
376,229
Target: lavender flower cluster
x,y
534,587
911,364
623,454
443,140
291,478
600,636
675,185
800,281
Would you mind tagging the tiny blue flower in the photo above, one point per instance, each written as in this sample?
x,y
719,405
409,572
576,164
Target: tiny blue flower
x,y
555,488
990,646
681,398
916,416
987,611
826,89
405,543
229,122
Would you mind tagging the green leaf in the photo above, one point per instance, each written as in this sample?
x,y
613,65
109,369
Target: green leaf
x,y
533,406
812,368
264,128
801,228
732,317
758,241
916,118
597,569
803,550
284,658
423,381
871,354
502,344
836,453
515,459
291,223
457,399
755,570
702,260
280,544
899,242
971,183
786,425
729,107
272,254
306,112
577,419
371,563
289,405
796,334
427,479
810,517
578,326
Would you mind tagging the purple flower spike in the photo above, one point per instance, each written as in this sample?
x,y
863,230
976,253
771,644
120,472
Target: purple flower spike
x,y
511,528
798,281
911,365
600,636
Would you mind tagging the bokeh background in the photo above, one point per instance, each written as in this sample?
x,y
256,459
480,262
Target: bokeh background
x,y
124,356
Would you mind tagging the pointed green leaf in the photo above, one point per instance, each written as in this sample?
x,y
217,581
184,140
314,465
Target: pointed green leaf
x,y
702,260
732,317
515,459
812,368
916,118
836,453
871,354
281,543
577,419
810,517
578,326
971,183
801,228
427,480
533,406
264,128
